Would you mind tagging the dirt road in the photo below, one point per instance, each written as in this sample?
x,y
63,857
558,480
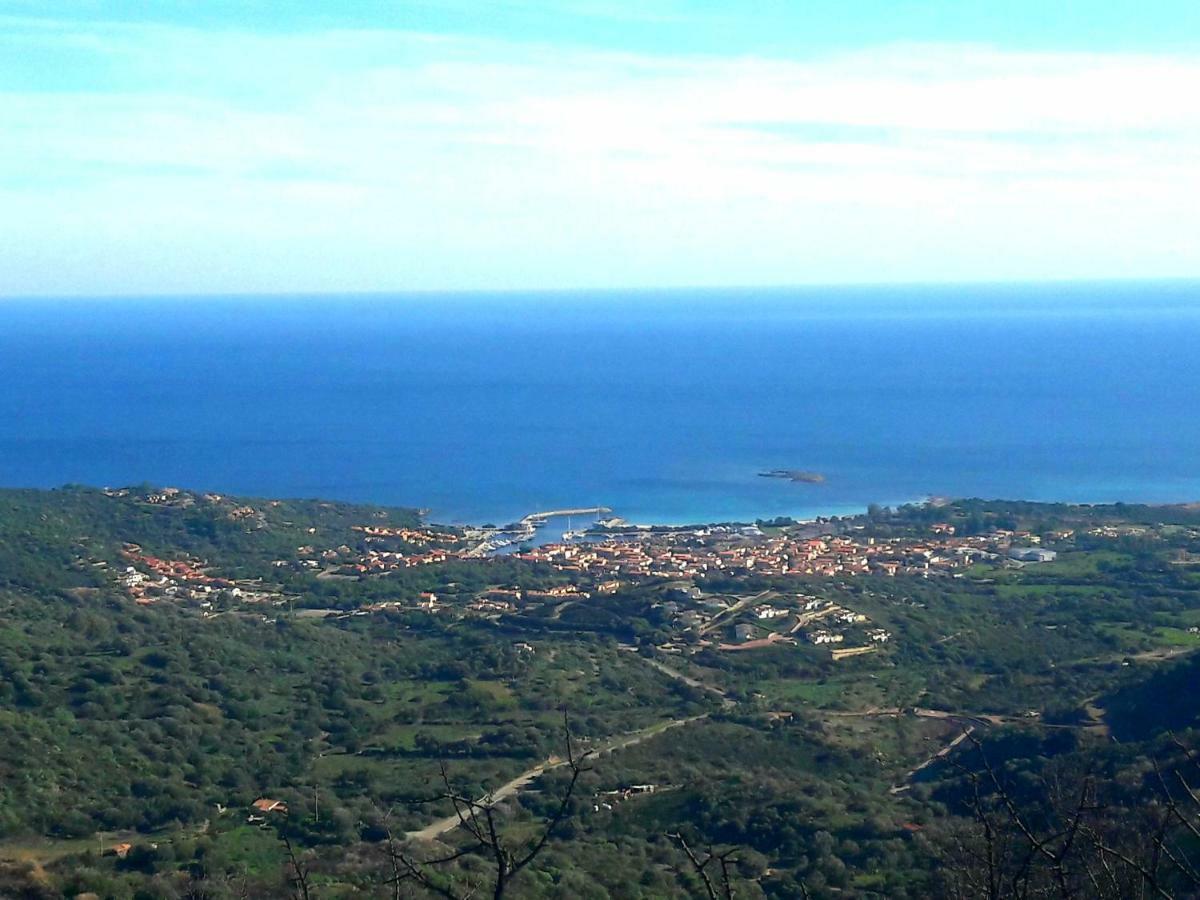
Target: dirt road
x,y
443,826
686,679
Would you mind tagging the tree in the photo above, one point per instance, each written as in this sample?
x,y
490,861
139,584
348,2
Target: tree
x,y
1074,835
480,820
298,877
720,887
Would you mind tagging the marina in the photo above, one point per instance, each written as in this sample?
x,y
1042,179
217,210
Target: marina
x,y
508,538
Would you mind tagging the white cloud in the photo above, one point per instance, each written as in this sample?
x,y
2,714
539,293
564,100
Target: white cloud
x,y
372,159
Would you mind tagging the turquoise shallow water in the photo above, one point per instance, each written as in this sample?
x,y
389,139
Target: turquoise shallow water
x,y
662,405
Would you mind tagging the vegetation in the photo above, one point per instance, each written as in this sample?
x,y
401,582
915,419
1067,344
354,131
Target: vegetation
x,y
365,706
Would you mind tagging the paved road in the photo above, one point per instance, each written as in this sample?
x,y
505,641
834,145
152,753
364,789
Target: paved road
x,y
443,826
734,610
808,618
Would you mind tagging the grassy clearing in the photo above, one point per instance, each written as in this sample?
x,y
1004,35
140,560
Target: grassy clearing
x,y
810,693
1078,563
1177,637
402,736
1130,638
249,849
41,851
498,691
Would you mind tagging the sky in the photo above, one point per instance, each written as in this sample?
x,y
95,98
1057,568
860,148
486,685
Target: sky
x,y
204,146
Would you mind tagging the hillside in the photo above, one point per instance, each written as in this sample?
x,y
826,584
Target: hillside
x,y
170,658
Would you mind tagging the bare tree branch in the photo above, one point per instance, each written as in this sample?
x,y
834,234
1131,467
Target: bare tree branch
x,y
480,820
1066,843
700,867
299,877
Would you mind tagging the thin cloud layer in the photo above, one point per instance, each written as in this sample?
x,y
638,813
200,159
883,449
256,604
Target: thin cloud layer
x,y
169,159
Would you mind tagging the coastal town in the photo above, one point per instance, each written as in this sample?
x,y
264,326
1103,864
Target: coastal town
x,y
595,556
878,643
672,570
747,550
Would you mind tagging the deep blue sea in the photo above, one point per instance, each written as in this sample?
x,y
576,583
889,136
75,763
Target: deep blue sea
x,y
662,405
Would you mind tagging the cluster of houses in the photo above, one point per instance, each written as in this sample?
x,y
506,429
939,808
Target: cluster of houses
x,y
191,570
507,599
818,621
170,497
1119,531
379,562
783,620
148,579
382,555
345,560
824,636
834,620
408,535
687,554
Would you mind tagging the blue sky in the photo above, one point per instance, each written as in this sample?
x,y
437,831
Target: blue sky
x,y
196,147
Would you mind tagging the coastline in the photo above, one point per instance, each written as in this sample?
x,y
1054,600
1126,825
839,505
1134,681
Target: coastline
x,y
549,529
547,525
665,417
808,515
583,515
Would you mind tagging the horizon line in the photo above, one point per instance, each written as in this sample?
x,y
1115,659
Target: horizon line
x,y
382,293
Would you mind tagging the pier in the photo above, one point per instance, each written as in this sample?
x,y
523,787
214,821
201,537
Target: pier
x,y
533,520
526,528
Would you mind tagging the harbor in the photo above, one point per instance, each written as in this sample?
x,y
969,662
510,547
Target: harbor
x,y
528,530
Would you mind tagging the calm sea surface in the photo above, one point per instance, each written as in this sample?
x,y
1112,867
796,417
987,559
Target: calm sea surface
x,y
663,406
